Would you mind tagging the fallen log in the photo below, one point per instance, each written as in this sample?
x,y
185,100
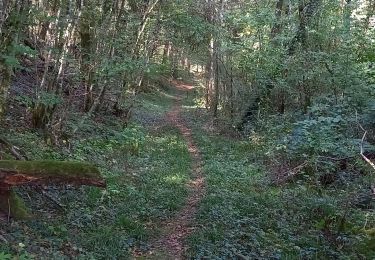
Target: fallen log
x,y
18,173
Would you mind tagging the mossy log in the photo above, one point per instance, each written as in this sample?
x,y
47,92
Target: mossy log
x,y
18,173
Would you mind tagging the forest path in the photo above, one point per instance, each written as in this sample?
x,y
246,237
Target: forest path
x,y
171,244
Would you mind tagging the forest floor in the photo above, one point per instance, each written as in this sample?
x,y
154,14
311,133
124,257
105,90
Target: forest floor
x,y
179,187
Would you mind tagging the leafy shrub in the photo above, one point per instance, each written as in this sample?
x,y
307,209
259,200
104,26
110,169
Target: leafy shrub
x,y
322,141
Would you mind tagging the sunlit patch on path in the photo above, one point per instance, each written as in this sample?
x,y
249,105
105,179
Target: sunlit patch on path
x,y
182,85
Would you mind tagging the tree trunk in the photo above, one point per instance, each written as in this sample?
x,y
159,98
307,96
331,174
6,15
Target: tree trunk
x,y
5,80
210,76
86,53
306,14
166,52
370,13
276,29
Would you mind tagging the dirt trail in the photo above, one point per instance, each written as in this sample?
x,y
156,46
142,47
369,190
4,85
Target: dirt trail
x,y
172,243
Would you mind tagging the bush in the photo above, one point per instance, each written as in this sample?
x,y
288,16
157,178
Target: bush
x,y
323,141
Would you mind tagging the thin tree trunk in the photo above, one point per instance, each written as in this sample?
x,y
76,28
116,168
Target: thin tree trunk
x,y
210,75
86,52
370,13
5,80
166,52
276,29
217,18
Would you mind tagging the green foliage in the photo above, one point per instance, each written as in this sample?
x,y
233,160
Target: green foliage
x,y
5,256
327,131
24,256
187,29
11,58
129,141
47,99
323,142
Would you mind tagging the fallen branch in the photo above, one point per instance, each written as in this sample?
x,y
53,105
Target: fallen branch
x,y
290,174
3,239
336,159
55,201
15,151
362,150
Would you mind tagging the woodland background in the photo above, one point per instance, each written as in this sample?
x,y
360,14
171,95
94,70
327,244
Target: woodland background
x,y
289,82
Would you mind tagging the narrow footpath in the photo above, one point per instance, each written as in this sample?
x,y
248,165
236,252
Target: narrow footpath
x,y
172,242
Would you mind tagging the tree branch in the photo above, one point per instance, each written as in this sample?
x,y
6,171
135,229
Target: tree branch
x,y
362,150
15,151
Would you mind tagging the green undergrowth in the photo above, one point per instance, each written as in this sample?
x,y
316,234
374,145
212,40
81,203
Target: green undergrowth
x,y
146,170
245,216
